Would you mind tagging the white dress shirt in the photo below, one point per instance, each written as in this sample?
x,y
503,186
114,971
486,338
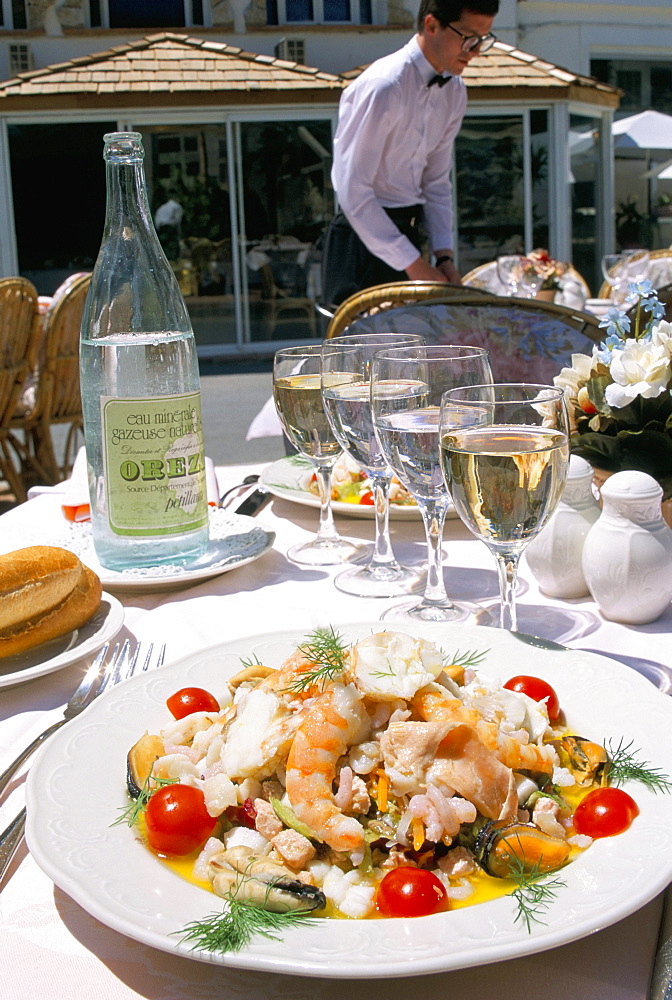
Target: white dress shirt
x,y
393,147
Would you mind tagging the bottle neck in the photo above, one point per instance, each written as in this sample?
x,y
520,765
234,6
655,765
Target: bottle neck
x,y
127,203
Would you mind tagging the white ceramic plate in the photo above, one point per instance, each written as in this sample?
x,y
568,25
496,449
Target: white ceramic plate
x,y
114,876
287,477
59,653
235,540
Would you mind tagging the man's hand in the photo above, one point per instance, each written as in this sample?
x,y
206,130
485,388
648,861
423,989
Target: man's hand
x,y
420,270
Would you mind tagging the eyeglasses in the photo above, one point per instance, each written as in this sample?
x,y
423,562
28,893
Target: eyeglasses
x,y
471,42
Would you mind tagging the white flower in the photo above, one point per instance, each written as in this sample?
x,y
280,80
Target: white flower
x,y
661,336
571,379
642,368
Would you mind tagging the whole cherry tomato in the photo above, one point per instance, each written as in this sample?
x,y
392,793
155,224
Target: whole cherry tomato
x,y
409,892
605,812
367,498
538,690
188,700
177,821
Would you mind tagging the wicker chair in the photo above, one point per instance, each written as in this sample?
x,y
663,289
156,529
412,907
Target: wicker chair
x,y
528,339
660,272
18,314
392,296
573,293
58,399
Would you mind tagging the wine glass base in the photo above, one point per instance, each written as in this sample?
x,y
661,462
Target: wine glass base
x,y
418,611
381,581
327,553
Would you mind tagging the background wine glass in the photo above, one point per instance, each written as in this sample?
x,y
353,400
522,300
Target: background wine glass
x,y
297,391
347,404
612,270
510,272
504,455
406,388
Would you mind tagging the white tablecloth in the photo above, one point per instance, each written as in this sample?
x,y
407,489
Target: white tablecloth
x,y
53,947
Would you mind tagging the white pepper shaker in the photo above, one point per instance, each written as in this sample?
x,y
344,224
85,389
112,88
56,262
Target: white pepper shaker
x,y
554,556
627,556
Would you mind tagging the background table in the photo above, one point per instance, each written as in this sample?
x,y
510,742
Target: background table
x,y
52,946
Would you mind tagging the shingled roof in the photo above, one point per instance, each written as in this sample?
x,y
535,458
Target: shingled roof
x,y
167,69
506,74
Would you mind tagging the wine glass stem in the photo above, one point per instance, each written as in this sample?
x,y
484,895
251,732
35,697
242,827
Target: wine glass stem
x,y
326,531
433,516
507,571
382,550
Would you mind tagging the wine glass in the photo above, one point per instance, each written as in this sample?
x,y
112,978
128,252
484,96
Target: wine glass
x,y
614,274
348,408
510,272
504,456
406,388
530,281
637,265
297,392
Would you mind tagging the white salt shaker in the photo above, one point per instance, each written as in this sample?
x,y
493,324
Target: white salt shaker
x,y
554,556
627,556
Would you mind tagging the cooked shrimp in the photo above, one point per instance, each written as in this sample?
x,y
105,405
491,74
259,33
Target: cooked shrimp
x,y
335,721
436,707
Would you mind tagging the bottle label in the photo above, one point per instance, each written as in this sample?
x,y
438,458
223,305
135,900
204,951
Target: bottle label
x,y
154,464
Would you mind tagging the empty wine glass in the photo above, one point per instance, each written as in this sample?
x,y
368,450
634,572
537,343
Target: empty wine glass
x,y
637,265
347,404
504,456
530,280
510,272
614,273
297,391
406,388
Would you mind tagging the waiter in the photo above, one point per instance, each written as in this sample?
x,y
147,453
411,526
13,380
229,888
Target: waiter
x,y
393,153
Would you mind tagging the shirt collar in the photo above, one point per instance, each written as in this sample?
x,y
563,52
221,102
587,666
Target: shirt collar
x,y
422,64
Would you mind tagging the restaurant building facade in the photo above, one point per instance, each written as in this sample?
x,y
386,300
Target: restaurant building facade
x,y
238,152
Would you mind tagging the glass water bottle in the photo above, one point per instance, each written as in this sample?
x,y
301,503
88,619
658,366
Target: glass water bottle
x,y
140,386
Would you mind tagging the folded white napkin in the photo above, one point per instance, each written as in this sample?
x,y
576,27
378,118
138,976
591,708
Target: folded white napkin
x,y
75,503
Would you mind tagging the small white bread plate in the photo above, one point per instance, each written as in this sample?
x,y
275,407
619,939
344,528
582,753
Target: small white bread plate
x,y
59,653
109,871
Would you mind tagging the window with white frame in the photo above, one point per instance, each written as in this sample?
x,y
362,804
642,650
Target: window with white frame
x,y
319,11
20,59
147,13
291,49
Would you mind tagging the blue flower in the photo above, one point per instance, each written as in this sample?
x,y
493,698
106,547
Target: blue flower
x,y
613,342
616,323
653,306
641,288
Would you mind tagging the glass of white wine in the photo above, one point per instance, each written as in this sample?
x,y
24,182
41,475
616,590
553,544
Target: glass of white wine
x,y
407,384
347,404
504,456
297,391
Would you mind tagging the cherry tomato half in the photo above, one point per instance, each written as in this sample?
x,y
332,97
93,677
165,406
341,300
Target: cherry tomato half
x,y
177,821
367,498
188,700
538,690
604,812
409,892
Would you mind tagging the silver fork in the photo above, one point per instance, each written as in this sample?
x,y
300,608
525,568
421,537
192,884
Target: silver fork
x,y
122,664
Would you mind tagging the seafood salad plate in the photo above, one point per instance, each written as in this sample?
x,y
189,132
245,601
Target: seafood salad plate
x,y
292,479
361,803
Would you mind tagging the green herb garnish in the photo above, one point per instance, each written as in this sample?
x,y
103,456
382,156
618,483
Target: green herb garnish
x,y
253,661
233,929
326,649
535,891
468,658
131,813
624,766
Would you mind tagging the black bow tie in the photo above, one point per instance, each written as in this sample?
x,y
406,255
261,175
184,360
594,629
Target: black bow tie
x,y
441,81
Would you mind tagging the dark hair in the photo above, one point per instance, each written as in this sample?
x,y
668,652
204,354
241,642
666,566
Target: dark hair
x,y
447,11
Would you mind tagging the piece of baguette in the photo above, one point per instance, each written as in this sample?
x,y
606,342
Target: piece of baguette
x,y
45,592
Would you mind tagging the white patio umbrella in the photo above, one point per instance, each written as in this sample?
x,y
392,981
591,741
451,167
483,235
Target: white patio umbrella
x,y
646,130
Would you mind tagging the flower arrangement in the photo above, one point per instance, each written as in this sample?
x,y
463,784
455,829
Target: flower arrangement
x,y
619,398
539,262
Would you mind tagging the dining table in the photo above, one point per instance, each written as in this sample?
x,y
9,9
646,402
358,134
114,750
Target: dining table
x,y
52,946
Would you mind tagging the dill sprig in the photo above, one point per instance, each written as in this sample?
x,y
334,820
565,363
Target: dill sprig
x,y
468,658
535,891
252,661
131,813
624,766
234,928
326,650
